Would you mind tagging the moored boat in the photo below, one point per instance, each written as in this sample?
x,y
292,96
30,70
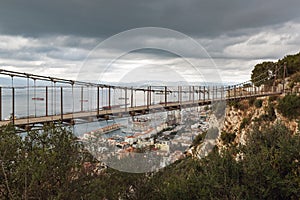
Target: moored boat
x,y
37,98
102,130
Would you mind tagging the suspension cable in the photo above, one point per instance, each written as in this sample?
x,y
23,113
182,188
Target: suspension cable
x,y
267,71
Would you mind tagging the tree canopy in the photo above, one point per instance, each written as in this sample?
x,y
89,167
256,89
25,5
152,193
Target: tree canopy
x,y
264,73
48,165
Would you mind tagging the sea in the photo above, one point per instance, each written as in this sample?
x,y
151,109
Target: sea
x,y
32,102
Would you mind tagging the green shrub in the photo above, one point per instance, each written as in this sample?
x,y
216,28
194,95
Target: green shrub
x,y
198,139
255,119
296,77
258,103
269,116
251,101
289,106
236,104
227,137
246,121
271,112
273,98
269,169
206,108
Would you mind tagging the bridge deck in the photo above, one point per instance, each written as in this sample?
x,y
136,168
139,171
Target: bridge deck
x,y
68,117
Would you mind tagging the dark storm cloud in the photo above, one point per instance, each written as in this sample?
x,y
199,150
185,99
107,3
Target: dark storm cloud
x,y
55,37
103,18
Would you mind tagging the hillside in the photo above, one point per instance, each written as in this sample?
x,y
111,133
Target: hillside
x,y
244,116
256,157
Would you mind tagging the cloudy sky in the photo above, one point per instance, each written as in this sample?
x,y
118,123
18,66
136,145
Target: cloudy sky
x,y
86,40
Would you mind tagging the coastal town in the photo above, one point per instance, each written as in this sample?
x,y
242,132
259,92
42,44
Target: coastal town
x,y
166,136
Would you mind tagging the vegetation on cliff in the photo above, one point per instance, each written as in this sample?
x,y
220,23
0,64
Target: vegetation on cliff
x,y
266,71
289,106
267,167
51,166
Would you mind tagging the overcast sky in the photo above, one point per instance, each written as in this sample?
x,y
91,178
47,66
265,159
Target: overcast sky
x,y
60,37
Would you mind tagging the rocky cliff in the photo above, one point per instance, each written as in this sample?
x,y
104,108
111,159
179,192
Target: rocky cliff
x,y
243,116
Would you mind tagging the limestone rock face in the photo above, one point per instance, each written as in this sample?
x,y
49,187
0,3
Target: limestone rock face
x,y
234,119
241,121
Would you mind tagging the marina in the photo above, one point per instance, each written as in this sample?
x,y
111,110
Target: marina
x,y
166,135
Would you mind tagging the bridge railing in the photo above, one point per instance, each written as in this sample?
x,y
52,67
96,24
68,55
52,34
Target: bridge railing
x,y
40,96
37,101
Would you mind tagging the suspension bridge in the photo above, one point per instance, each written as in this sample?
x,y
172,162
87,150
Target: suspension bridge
x,y
31,99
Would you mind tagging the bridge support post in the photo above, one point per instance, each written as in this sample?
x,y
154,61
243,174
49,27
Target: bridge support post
x,y
125,99
228,91
204,93
81,99
193,94
46,101
198,93
131,98
148,96
109,102
153,97
0,103
166,97
234,91
178,99
13,106
98,100
61,104
208,93
190,93
212,92
180,94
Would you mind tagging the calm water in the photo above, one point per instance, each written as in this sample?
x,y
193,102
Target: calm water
x,y
72,102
